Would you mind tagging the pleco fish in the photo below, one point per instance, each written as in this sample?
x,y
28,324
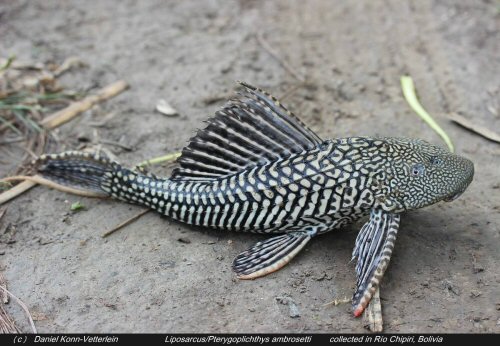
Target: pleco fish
x,y
257,168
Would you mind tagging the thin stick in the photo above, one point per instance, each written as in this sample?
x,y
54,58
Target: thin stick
x,y
7,325
160,159
411,97
116,144
67,64
372,315
3,283
28,150
290,91
75,108
30,181
261,40
125,223
13,140
2,213
16,191
23,306
469,125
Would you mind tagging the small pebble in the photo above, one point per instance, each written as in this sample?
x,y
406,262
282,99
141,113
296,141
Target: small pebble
x,y
165,108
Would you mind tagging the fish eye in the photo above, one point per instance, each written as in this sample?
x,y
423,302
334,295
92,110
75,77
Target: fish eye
x,y
418,170
436,161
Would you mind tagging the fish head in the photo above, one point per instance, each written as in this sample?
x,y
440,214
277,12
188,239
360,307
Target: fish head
x,y
420,173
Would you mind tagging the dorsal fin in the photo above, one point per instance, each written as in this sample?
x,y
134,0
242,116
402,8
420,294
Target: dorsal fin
x,y
254,128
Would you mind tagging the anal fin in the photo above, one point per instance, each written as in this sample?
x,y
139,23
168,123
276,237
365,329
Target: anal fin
x,y
268,256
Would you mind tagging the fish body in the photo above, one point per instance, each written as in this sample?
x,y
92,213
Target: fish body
x,y
317,187
257,168
332,185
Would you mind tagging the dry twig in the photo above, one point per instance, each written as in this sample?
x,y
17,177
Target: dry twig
x,y
67,65
68,113
125,223
116,144
4,297
267,47
16,191
30,181
372,315
290,91
160,159
22,305
7,325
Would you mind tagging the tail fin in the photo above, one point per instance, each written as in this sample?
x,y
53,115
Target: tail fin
x,y
80,170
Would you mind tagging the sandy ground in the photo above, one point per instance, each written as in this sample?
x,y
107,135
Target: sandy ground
x,y
444,274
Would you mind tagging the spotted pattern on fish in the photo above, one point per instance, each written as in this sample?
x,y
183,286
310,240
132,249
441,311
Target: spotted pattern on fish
x,y
257,168
309,188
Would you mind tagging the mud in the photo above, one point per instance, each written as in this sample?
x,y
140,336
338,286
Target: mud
x,y
159,276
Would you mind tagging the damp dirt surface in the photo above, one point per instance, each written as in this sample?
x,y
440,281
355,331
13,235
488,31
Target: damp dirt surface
x,y
156,275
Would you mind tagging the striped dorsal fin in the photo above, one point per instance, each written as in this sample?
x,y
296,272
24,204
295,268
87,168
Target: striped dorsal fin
x,y
252,129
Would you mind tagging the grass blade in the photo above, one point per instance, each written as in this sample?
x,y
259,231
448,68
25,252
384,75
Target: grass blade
x,y
27,121
10,126
411,97
7,64
156,160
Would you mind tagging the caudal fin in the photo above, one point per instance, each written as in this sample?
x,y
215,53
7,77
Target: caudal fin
x,y
81,170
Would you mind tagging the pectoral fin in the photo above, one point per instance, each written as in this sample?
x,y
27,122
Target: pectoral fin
x,y
373,250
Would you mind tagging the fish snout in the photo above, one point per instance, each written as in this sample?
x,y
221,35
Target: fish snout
x,y
466,172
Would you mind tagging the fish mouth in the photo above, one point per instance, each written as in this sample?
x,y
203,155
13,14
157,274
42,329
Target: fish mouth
x,y
453,197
